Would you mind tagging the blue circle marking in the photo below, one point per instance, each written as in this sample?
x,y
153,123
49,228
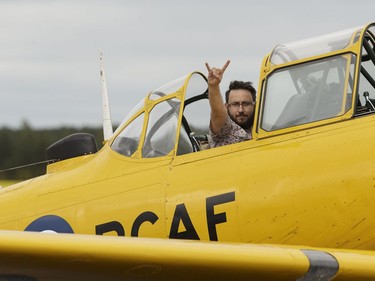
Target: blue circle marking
x,y
50,223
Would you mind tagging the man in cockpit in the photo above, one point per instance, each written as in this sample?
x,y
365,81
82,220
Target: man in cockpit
x,y
232,121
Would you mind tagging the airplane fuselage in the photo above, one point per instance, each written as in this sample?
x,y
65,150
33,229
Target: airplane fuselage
x,y
306,178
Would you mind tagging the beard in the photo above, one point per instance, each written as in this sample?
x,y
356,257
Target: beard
x,y
242,120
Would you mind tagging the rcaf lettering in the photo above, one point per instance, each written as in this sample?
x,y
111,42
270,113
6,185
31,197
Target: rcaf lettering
x,y
145,216
181,216
214,219
109,227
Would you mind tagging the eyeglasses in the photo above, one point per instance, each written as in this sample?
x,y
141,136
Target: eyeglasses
x,y
245,104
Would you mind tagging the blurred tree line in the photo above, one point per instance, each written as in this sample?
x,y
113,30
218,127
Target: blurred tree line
x,y
25,146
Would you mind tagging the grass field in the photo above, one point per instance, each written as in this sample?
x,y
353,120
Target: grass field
x,y
4,183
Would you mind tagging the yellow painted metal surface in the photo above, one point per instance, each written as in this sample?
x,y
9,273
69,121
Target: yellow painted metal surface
x,y
44,257
79,257
300,185
312,184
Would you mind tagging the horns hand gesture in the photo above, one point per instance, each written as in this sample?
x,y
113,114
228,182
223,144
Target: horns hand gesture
x,y
216,74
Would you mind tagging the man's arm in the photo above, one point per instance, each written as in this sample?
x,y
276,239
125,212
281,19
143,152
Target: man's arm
x,y
219,114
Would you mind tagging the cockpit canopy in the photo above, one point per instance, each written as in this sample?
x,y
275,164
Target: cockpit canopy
x,y
317,46
152,128
326,79
303,84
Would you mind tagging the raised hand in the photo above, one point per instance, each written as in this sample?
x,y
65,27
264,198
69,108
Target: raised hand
x,y
216,74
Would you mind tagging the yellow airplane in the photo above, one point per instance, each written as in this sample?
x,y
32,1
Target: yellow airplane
x,y
294,203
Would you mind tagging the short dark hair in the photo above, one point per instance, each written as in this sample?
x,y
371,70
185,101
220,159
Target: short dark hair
x,y
240,85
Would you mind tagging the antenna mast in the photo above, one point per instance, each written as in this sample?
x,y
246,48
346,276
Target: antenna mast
x,y
107,122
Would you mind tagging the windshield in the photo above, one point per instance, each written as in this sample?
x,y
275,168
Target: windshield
x,y
137,108
308,92
285,53
156,126
167,89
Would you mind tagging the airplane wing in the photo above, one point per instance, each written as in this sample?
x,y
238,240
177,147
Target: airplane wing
x,y
27,256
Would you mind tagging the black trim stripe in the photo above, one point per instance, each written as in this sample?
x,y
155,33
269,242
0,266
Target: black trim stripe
x,y
323,266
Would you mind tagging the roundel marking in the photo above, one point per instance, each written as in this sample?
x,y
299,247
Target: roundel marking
x,y
50,223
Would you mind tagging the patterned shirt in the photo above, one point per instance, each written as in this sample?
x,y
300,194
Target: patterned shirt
x,y
230,133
